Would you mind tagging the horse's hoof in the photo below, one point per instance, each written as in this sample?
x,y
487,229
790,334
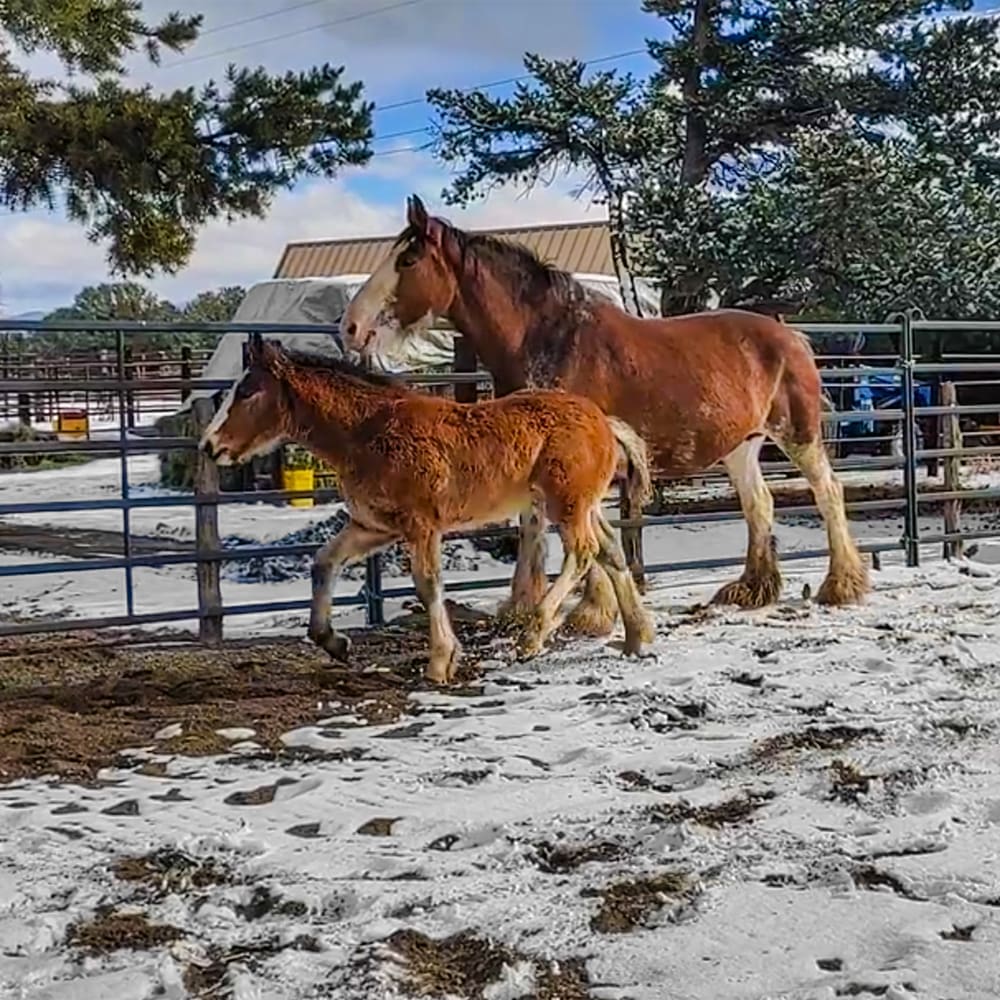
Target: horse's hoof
x,y
750,594
441,669
591,620
336,645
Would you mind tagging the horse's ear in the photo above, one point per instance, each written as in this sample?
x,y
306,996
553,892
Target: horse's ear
x,y
273,356
416,214
255,348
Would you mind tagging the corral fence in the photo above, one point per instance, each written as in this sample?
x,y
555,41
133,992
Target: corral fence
x,y
898,409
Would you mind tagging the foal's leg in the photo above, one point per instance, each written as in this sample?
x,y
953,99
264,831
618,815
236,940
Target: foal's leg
x,y
529,581
426,559
847,579
579,549
351,543
760,583
639,625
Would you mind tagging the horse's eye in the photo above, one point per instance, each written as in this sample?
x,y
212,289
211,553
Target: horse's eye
x,y
408,257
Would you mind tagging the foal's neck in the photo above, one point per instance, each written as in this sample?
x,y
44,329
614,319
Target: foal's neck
x,y
330,408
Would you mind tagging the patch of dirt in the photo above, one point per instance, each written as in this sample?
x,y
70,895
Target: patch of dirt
x,y
958,933
464,966
69,704
726,813
379,826
629,904
813,738
109,931
169,871
557,859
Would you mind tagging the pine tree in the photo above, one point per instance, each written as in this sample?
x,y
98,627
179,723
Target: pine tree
x,y
706,152
144,171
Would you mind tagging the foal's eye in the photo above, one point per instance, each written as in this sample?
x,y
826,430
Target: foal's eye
x,y
244,390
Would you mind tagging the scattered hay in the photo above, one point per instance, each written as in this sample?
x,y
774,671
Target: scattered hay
x,y
464,965
208,979
726,813
168,871
813,738
848,783
629,904
108,931
557,859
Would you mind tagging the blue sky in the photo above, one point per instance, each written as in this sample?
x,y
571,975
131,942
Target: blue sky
x,y
399,49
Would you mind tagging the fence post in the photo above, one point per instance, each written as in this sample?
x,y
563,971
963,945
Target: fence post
x,y
911,530
185,373
952,471
206,527
465,361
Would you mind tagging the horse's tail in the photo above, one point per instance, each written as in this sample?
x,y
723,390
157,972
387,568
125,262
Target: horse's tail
x,y
638,478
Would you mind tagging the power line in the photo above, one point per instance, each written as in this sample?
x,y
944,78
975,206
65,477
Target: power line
x,y
294,34
511,79
259,17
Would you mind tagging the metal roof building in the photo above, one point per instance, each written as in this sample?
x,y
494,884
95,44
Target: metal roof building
x,y
579,247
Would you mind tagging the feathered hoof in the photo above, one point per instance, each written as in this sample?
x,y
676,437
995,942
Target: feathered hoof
x,y
750,592
845,587
591,619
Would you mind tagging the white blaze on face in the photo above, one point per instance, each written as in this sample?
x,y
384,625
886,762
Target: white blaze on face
x,y
212,430
369,324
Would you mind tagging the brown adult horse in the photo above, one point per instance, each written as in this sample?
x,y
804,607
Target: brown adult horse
x,y
413,466
701,389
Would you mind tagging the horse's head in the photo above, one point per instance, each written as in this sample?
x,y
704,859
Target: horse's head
x,y
253,418
413,286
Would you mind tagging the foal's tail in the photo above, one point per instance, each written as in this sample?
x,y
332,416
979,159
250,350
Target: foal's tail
x,y
638,478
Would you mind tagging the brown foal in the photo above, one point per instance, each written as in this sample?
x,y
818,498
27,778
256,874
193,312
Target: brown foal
x,y
413,466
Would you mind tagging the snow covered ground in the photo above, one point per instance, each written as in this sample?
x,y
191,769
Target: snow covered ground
x,y
795,803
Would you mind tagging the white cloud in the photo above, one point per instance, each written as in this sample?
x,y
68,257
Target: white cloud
x,y
45,260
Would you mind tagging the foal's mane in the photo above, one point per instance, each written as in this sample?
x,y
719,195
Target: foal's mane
x,y
329,365
519,268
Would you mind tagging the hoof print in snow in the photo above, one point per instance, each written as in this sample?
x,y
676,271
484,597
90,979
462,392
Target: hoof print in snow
x,y
265,903
69,809
404,732
380,826
262,795
128,807
305,830
830,964
445,843
957,933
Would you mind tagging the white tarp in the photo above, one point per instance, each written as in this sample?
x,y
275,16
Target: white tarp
x,y
322,301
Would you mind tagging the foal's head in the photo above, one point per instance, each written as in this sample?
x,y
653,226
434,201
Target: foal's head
x,y
255,416
414,285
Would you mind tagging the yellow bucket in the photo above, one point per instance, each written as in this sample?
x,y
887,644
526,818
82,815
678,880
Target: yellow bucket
x,y
299,479
72,424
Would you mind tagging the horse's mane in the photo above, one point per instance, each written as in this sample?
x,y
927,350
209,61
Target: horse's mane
x,y
519,267
342,366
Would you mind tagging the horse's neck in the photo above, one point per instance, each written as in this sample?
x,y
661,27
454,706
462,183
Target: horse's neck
x,y
519,347
329,410
495,325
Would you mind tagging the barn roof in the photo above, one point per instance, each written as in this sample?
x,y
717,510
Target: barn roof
x,y
579,247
